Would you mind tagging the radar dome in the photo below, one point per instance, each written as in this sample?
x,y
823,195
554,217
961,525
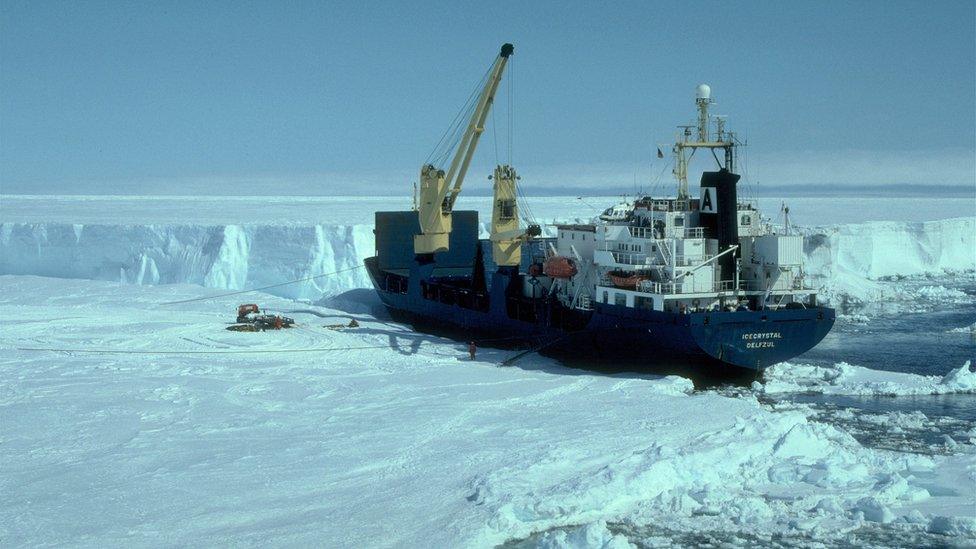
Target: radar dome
x,y
703,91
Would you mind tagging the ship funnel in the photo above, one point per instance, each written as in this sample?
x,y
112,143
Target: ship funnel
x,y
718,210
703,92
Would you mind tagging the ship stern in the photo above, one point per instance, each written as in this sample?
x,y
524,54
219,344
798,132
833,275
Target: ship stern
x,y
756,340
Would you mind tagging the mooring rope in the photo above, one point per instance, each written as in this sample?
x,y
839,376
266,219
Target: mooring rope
x,y
191,352
246,351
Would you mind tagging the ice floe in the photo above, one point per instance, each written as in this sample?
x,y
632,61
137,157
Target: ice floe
x,y
971,329
847,379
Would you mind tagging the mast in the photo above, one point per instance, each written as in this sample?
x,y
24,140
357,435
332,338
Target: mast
x,y
723,140
439,189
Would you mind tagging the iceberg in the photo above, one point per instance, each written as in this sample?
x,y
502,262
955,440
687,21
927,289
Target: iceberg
x,y
846,262
232,257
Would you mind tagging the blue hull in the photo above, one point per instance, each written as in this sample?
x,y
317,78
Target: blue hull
x,y
751,340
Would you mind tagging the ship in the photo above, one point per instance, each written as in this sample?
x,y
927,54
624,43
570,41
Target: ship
x,y
697,282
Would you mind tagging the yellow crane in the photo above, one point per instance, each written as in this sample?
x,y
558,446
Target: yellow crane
x,y
506,235
439,189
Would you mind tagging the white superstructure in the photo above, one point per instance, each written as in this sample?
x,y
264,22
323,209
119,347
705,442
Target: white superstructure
x,y
670,254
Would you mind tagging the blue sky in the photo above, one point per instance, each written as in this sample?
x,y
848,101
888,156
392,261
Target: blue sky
x,y
319,98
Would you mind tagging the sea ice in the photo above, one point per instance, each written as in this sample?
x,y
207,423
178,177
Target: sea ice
x,y
846,379
311,436
971,329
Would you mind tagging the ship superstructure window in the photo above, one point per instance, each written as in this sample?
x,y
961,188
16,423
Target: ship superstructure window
x,y
679,221
746,220
606,297
620,299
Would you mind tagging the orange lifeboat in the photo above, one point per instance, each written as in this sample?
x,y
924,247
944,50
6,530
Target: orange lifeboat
x,y
626,281
560,267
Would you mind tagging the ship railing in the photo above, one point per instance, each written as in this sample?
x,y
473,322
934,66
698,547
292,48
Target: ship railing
x,y
642,232
643,259
725,285
660,288
629,258
670,205
649,233
688,232
673,288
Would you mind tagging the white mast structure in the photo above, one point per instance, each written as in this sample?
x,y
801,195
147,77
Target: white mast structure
x,y
703,140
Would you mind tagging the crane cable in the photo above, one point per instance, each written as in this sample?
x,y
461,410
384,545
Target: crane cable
x,y
452,134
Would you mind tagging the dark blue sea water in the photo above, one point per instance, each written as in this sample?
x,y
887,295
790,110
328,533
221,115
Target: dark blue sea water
x,y
905,336
913,337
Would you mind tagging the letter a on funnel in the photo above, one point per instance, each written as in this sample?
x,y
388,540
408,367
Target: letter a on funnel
x,y
708,200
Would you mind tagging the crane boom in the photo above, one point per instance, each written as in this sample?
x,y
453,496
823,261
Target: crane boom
x,y
439,190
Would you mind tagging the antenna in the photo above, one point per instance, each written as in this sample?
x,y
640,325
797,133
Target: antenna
x,y
703,97
720,120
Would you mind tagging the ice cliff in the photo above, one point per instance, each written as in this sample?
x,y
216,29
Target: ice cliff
x,y
216,256
846,261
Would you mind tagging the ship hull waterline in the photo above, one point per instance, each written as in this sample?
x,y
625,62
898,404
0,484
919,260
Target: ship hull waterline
x,y
637,339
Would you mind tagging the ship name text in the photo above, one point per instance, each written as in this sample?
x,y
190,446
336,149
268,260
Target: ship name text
x,y
761,340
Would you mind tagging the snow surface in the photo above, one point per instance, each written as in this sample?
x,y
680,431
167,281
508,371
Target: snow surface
x,y
384,437
156,240
846,379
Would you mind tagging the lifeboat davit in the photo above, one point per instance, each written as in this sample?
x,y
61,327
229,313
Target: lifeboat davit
x,y
560,267
626,281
